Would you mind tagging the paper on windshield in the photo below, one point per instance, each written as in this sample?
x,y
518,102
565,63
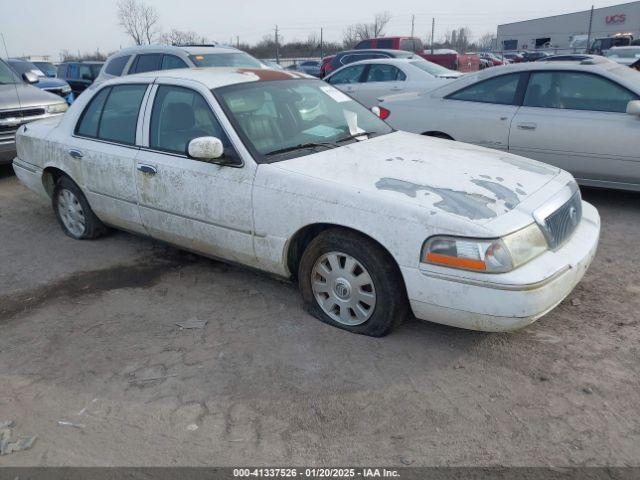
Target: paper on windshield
x,y
334,93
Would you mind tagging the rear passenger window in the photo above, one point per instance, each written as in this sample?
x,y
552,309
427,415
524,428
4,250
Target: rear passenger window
x,y
116,65
120,114
179,115
147,63
499,90
385,73
169,62
88,125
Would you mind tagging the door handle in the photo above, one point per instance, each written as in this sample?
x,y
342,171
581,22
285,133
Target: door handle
x,y
395,89
148,169
77,154
527,126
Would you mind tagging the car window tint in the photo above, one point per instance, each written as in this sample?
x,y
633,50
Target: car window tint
x,y
120,114
179,115
385,73
348,75
385,43
86,73
365,44
169,62
147,63
500,90
73,70
116,65
88,125
576,91
62,71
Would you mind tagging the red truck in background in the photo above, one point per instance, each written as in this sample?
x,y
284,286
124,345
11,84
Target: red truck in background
x,y
450,59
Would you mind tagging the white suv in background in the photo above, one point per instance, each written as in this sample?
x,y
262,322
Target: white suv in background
x,y
149,58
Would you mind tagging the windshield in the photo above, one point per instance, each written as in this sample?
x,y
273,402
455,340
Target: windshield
x,y
7,75
24,67
47,68
282,119
624,53
430,67
239,59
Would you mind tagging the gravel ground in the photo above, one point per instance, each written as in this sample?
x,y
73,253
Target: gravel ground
x,y
88,335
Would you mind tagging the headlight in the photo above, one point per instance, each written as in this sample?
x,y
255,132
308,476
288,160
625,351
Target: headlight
x,y
57,108
66,89
485,255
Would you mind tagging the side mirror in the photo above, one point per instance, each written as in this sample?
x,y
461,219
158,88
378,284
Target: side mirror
x,y
633,107
30,77
205,148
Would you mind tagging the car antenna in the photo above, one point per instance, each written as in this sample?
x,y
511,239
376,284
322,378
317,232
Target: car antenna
x,y
15,84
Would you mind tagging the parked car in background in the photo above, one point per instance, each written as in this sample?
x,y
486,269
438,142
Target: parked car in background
x,y
514,57
310,67
581,117
570,57
284,173
79,75
492,58
624,55
48,68
21,103
350,56
601,45
368,80
149,58
484,63
272,64
56,86
535,56
324,64
451,59
409,44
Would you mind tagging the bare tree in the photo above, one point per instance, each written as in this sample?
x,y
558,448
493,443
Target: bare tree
x,y
363,31
139,20
179,37
487,42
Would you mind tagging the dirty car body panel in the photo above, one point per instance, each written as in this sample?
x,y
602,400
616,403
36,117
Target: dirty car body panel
x,y
397,189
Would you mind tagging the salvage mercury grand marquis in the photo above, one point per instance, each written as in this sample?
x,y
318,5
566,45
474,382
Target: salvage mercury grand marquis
x,y
286,174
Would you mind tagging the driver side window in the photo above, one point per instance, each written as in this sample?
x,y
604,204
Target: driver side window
x,y
179,115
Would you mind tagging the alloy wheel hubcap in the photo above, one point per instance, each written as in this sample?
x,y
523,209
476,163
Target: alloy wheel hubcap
x,y
71,212
343,288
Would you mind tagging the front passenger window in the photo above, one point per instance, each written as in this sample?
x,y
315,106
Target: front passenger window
x,y
179,115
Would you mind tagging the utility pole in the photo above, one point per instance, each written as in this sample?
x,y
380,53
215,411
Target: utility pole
x,y
237,41
277,50
433,31
321,44
589,34
413,24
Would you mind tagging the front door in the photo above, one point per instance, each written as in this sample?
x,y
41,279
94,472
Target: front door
x,y
202,206
577,121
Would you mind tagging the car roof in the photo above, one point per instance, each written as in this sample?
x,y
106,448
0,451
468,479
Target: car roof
x,y
86,62
391,61
216,77
626,47
175,49
374,50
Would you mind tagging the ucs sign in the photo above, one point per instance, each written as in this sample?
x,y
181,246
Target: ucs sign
x,y
616,19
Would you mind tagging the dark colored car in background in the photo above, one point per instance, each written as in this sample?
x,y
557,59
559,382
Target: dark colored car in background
x,y
534,56
573,57
79,75
349,56
52,85
48,68
514,57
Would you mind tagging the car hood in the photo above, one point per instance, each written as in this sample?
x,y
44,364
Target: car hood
x,y
21,95
474,183
48,82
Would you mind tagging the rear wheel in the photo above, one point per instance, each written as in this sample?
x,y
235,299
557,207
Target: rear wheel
x,y
73,211
350,282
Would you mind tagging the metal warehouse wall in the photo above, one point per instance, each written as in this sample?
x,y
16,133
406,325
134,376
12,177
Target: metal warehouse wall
x,y
562,28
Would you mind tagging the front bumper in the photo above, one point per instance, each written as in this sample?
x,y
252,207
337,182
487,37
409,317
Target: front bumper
x,y
7,151
509,301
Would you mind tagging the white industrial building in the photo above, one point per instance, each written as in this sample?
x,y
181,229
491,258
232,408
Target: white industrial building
x,y
569,31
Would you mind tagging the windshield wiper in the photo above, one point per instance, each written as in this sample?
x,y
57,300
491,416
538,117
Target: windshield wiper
x,y
355,136
302,146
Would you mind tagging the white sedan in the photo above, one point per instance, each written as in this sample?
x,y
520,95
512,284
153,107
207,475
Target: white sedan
x,y
284,173
583,117
368,80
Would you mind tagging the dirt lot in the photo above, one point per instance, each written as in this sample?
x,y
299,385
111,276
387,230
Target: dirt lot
x,y
88,335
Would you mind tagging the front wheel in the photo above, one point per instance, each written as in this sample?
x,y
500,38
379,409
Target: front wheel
x,y
73,211
351,282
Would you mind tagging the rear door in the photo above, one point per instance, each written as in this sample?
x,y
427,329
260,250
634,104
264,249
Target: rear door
x,y
379,80
199,205
104,146
482,112
578,121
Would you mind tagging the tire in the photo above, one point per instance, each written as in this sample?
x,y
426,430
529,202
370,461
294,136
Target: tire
x,y
73,212
339,271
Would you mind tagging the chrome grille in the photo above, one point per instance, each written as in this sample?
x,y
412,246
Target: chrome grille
x,y
7,134
27,112
561,224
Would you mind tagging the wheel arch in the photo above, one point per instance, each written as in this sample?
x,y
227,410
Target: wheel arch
x,y
438,134
50,176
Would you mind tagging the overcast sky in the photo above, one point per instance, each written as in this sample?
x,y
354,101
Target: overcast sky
x,y
45,27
